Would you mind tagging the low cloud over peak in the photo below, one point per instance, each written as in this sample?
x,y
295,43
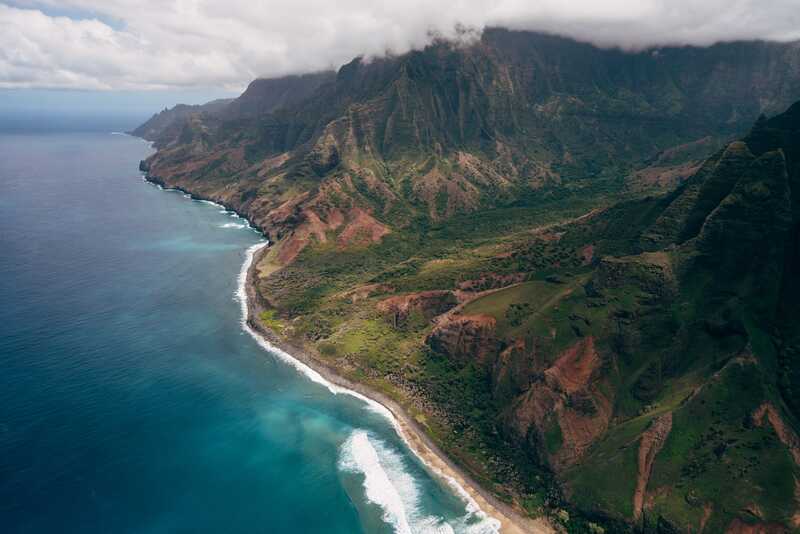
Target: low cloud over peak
x,y
148,44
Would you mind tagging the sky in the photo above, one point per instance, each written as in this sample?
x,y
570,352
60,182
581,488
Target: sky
x,y
159,52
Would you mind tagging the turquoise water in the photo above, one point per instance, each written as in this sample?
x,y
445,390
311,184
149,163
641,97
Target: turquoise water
x,y
133,401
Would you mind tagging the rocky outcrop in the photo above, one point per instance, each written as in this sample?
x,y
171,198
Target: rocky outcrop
x,y
650,444
515,369
466,338
403,144
426,304
785,433
564,412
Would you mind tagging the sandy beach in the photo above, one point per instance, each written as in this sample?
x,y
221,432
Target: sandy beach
x,y
509,520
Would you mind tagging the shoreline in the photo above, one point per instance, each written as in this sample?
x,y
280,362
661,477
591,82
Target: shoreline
x,y
478,500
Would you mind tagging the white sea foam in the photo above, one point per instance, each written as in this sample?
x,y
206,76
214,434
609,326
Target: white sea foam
x,y
485,525
359,456
210,202
389,484
232,225
157,186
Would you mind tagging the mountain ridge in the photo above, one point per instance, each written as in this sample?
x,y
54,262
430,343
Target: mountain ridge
x,y
468,230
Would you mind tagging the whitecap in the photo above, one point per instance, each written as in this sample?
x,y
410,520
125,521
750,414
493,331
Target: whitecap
x,y
232,225
484,524
209,202
358,455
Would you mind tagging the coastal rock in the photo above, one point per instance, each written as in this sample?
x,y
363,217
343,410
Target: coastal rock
x,y
465,338
427,304
563,413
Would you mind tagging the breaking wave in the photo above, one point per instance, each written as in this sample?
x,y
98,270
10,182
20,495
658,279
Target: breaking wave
x,y
356,453
389,484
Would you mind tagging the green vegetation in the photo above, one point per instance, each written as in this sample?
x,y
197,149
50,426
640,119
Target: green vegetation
x,y
271,322
578,314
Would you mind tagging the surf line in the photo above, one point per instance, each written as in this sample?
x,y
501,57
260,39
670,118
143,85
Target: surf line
x,y
472,506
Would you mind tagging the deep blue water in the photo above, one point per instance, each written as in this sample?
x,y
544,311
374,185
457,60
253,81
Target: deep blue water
x,y
130,398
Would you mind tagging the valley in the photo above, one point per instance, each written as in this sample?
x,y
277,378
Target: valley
x,y
573,268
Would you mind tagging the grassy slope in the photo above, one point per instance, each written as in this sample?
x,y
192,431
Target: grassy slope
x,y
665,360
469,157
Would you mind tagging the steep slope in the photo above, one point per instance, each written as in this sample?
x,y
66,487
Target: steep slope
x,y
703,434
267,95
453,129
165,126
447,229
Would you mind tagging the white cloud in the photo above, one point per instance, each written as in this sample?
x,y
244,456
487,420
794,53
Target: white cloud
x,y
141,44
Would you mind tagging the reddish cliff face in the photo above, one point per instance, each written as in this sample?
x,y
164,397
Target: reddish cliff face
x,y
427,304
466,338
451,149
564,410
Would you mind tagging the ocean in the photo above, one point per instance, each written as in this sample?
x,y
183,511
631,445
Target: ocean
x,y
132,399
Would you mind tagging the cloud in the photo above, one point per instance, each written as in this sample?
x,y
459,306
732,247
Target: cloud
x,y
158,44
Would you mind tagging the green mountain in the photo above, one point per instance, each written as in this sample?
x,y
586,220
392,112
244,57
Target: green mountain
x,y
551,255
165,126
685,332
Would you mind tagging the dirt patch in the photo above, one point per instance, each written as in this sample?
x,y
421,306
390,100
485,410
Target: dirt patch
x,y
272,163
569,397
362,229
650,444
445,195
587,254
707,511
785,434
428,304
574,367
364,292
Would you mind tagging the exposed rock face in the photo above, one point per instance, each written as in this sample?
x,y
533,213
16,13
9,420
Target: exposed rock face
x,y
515,369
451,129
428,304
649,445
565,403
465,338
362,229
656,297
785,433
